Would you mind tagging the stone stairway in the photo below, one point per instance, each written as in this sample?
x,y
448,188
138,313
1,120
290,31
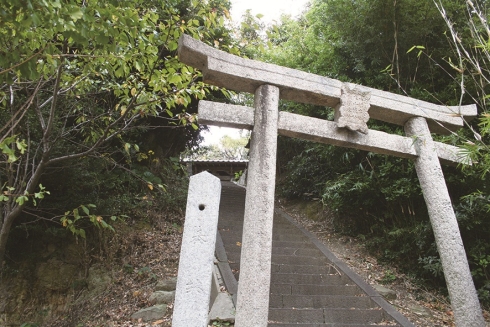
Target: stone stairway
x,y
310,287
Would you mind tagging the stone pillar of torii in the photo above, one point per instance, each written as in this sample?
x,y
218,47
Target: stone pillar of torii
x,y
354,105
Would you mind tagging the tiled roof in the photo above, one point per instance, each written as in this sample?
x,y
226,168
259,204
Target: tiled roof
x,y
185,160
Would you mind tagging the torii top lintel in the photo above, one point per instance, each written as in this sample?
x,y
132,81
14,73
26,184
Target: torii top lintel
x,y
244,75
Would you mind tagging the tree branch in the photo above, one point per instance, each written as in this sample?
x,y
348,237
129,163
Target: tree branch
x,y
15,120
21,63
52,112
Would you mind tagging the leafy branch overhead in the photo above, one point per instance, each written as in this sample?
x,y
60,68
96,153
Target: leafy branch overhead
x,y
124,52
78,76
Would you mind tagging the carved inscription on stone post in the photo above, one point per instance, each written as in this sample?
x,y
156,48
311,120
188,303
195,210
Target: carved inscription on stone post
x,y
352,112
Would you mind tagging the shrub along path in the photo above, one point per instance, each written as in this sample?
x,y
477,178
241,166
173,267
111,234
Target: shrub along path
x,y
309,285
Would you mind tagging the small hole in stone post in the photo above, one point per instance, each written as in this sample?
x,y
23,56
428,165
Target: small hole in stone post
x,y
202,207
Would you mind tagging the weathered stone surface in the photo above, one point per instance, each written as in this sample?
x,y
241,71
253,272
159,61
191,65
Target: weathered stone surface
x,y
323,131
419,310
162,297
319,130
462,292
220,68
56,275
385,292
218,114
352,111
98,279
239,74
167,285
255,266
243,179
150,314
197,252
223,309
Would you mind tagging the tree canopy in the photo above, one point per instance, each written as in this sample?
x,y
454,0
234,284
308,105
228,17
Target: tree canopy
x,y
99,81
82,79
427,50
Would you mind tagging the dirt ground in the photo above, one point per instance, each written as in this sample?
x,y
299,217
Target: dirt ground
x,y
136,257
148,254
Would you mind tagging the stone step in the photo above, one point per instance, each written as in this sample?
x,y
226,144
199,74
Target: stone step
x,y
290,244
328,325
284,226
300,289
303,269
303,260
297,251
233,243
296,315
230,215
326,316
307,289
331,276
230,238
284,255
315,279
233,257
290,237
230,224
321,301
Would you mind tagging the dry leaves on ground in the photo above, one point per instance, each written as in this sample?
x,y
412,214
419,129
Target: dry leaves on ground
x,y
422,307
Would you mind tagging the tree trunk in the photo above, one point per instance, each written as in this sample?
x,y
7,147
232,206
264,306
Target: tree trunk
x,y
5,231
16,209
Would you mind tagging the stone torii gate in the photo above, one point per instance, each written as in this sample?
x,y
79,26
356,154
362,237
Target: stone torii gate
x,y
354,105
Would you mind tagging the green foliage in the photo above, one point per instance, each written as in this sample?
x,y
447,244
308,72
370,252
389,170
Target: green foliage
x,y
250,38
219,323
8,195
433,265
481,272
127,268
71,220
388,277
238,175
378,192
306,171
228,148
470,65
116,191
81,81
145,272
8,148
400,47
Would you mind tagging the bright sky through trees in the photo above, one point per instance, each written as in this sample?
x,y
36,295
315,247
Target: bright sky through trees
x,y
272,10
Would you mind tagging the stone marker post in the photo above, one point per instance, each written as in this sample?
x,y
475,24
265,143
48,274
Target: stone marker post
x,y
464,299
193,291
255,263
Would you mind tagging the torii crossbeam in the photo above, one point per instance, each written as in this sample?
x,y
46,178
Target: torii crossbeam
x,y
354,105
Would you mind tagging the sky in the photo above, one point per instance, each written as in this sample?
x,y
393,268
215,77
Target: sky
x,y
272,10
